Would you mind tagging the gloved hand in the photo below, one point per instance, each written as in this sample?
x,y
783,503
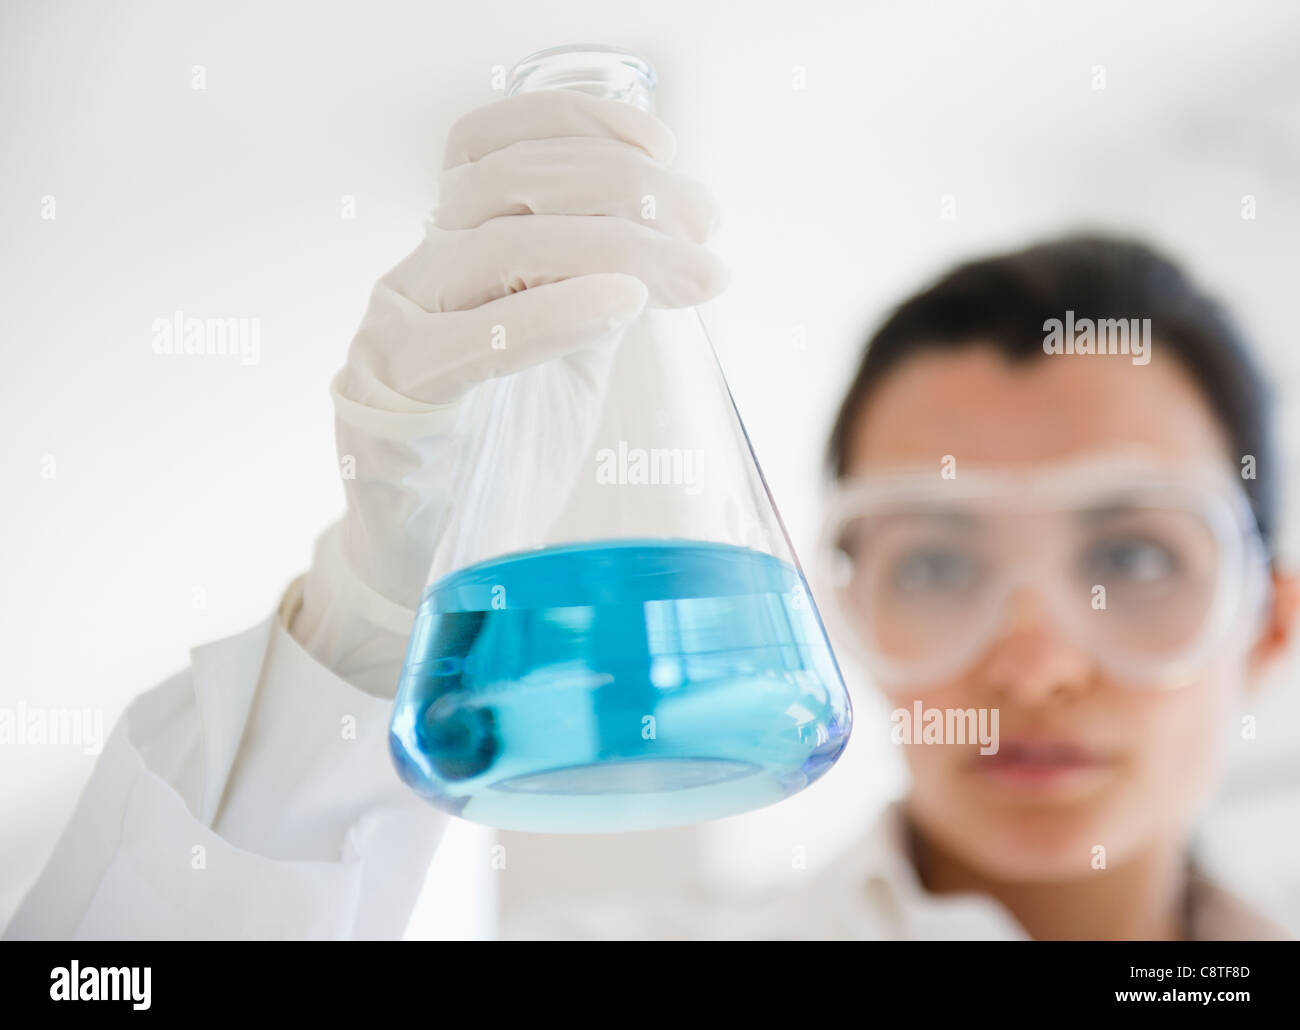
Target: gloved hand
x,y
538,243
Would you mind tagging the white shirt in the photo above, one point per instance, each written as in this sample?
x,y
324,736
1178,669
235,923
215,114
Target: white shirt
x,y
252,796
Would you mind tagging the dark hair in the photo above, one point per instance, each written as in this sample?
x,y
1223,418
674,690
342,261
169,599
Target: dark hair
x,y
1005,300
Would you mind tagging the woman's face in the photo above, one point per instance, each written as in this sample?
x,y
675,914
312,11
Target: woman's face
x,y
1153,754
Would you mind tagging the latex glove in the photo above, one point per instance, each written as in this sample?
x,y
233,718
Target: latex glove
x,y
561,281
538,234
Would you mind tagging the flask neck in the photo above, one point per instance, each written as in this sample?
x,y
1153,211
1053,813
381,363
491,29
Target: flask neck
x,y
601,71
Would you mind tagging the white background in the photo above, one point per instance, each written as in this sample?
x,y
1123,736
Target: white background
x,y
185,477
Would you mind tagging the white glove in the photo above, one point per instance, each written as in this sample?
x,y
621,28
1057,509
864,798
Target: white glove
x,y
538,234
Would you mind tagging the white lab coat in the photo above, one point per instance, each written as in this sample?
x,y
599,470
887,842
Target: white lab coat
x,y
252,796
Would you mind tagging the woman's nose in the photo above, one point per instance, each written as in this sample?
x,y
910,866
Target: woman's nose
x,y
1031,660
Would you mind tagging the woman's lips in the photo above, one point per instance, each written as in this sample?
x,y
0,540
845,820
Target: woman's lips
x,y
1036,763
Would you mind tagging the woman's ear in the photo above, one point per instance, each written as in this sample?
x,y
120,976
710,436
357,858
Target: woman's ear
x,y
1279,628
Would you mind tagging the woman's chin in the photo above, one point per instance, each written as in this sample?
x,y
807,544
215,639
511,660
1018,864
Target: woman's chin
x,y
1041,843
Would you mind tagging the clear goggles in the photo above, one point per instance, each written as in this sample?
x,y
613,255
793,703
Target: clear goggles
x,y
1149,568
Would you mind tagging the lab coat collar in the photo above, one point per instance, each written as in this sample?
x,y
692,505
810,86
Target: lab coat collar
x,y
226,673
885,869
891,883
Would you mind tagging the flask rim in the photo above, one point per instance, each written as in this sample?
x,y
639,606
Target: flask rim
x,y
592,68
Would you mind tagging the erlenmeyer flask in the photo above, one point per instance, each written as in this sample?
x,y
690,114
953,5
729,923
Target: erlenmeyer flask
x,y
616,634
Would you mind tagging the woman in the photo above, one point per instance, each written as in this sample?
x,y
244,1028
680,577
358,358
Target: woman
x,y
1113,716
252,795
1072,550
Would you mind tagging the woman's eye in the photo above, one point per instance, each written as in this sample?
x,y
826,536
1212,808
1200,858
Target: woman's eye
x,y
1133,560
934,568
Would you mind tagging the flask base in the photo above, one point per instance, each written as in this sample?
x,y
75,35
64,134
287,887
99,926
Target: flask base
x,y
617,685
629,776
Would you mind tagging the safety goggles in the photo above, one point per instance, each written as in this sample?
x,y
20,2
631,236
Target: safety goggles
x,y
1148,567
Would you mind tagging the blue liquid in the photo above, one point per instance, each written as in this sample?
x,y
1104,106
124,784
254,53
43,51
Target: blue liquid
x,y
617,685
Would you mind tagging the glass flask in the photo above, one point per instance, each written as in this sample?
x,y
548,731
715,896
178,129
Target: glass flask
x,y
616,634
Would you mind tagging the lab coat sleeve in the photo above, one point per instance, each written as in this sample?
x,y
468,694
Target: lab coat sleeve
x,y
253,795
250,796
